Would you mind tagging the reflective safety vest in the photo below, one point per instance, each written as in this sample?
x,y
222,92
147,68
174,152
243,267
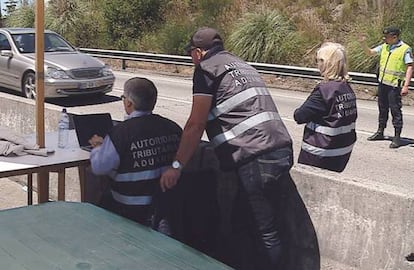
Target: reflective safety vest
x,y
328,142
145,153
392,66
244,121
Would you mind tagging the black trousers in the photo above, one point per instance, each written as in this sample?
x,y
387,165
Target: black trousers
x,y
389,99
257,215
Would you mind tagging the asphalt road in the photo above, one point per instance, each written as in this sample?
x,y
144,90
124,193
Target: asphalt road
x,y
372,163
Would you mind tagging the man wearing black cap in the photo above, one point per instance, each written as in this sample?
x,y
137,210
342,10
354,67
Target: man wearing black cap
x,y
395,71
231,102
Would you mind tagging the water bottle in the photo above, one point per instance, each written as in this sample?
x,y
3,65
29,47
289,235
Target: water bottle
x,y
63,129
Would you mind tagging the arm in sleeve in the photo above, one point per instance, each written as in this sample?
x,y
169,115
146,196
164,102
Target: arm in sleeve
x,y
408,60
104,158
376,50
193,130
368,50
408,57
312,109
202,83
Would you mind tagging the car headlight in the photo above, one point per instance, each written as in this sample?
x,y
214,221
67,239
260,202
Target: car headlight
x,y
55,73
106,71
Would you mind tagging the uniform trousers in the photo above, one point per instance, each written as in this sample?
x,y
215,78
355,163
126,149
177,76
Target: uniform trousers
x,y
389,99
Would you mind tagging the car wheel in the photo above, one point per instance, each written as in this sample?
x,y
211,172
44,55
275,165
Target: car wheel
x,y
29,86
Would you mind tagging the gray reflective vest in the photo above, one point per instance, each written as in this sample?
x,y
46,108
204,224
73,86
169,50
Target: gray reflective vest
x,y
244,121
328,142
146,146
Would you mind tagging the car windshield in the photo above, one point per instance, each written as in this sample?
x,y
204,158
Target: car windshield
x,y
25,42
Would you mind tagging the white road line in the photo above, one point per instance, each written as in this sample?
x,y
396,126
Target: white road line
x,y
161,97
175,99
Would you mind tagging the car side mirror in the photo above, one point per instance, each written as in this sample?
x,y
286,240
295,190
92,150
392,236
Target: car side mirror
x,y
7,53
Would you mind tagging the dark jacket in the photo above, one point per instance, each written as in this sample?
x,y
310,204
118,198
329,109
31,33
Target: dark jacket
x,y
146,146
244,121
329,113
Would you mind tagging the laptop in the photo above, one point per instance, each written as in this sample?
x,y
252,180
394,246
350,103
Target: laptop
x,y
87,125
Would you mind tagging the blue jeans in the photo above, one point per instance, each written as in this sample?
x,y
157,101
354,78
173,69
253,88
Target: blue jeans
x,y
257,211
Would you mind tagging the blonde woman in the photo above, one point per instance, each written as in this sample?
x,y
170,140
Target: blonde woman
x,y
329,113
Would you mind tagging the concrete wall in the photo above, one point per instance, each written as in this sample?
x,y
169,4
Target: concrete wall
x,y
363,224
20,114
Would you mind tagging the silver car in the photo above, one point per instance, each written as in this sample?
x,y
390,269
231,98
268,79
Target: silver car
x,y
68,72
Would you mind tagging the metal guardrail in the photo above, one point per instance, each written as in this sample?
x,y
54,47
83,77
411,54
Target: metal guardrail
x,y
293,71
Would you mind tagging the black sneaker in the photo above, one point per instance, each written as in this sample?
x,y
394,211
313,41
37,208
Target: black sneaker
x,y
376,136
396,142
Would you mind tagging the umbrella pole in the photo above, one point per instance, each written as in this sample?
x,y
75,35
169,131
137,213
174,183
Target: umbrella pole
x,y
43,177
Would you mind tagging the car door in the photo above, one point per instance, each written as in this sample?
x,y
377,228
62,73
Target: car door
x,y
6,79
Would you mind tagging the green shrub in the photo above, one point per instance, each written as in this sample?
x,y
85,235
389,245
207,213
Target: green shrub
x,y
174,37
129,20
264,36
170,39
407,19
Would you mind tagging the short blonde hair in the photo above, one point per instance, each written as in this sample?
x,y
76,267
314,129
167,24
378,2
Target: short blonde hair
x,y
332,61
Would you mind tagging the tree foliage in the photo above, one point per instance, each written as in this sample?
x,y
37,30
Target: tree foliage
x,y
22,17
406,21
283,31
63,16
11,6
126,21
90,32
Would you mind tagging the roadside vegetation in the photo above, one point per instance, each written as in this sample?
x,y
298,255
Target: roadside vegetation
x,y
282,32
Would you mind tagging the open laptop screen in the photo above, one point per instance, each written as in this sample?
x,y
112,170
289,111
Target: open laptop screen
x,y
87,125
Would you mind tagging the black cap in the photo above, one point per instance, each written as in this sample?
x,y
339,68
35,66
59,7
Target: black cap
x,y
204,38
391,30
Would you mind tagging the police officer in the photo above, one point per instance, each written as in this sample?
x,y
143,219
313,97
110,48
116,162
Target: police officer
x,y
231,101
135,153
395,71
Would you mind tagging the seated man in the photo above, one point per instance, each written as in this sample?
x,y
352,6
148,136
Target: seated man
x,y
134,155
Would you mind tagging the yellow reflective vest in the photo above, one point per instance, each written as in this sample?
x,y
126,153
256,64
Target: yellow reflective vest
x,y
392,66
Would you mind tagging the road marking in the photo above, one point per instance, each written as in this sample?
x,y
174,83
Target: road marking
x,y
175,99
159,96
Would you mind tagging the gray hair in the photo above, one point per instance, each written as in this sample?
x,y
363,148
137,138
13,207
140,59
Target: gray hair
x,y
141,92
333,59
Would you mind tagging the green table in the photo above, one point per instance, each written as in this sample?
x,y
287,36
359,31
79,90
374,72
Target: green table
x,y
81,236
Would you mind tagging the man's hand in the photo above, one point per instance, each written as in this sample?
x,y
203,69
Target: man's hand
x,y
363,41
95,141
362,38
404,90
169,178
